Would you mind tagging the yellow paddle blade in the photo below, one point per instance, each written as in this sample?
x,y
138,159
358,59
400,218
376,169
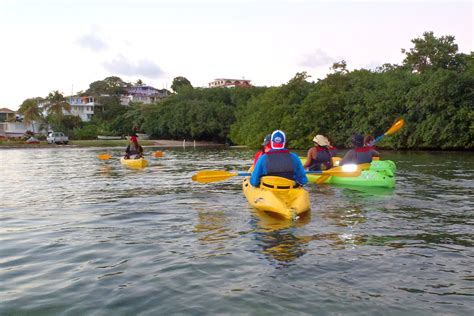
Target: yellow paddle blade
x,y
207,176
158,154
395,127
104,156
322,179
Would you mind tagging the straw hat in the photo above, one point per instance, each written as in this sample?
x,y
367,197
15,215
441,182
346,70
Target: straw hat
x,y
321,140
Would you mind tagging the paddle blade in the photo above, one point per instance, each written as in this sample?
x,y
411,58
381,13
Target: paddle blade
x,y
395,127
104,156
350,170
207,176
158,154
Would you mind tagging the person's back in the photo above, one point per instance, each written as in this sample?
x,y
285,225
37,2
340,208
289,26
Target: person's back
x,y
359,154
280,162
320,155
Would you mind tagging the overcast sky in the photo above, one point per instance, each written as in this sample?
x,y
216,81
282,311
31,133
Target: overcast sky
x,y
65,45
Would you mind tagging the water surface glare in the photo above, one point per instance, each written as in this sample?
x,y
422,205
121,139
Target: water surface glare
x,y
80,236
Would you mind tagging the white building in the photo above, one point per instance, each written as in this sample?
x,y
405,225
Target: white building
x,y
82,107
229,83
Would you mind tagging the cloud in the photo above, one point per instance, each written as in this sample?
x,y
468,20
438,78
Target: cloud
x,y
92,42
142,68
316,59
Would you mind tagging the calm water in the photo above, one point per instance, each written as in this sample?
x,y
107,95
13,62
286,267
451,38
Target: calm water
x,y
79,236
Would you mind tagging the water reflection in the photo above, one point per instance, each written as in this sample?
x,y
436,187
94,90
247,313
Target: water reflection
x,y
276,238
212,226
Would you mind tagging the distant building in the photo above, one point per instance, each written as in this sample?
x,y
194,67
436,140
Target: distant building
x,y
229,83
82,107
10,126
143,94
6,115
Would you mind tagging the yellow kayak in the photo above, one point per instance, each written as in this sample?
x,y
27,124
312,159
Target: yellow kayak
x,y
277,196
134,163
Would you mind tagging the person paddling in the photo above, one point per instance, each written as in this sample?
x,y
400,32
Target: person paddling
x,y
359,154
279,161
133,150
319,156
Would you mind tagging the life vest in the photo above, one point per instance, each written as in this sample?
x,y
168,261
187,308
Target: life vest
x,y
324,157
133,150
279,164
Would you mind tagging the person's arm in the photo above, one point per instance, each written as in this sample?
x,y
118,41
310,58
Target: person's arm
x,y
257,155
299,173
259,170
309,158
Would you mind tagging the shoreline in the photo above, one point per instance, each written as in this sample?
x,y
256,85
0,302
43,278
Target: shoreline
x,y
112,143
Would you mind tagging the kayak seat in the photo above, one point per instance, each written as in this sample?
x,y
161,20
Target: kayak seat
x,y
278,183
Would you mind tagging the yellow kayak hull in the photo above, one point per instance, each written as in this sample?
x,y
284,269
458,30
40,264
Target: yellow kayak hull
x,y
277,196
134,163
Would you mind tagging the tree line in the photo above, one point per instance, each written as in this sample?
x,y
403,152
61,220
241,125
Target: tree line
x,y
433,90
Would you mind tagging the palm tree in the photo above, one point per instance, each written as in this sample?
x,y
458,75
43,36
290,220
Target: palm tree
x,y
56,104
31,111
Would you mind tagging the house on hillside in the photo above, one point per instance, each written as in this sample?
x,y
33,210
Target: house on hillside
x,y
10,126
143,94
7,115
82,106
229,83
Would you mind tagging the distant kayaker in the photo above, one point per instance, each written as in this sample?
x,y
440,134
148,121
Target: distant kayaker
x,y
265,148
368,142
133,150
359,154
319,157
279,161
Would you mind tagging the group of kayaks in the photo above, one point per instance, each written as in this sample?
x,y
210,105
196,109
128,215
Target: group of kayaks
x,y
284,198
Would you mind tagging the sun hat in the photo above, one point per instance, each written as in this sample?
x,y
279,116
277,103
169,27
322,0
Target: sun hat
x,y
321,140
358,140
278,139
267,139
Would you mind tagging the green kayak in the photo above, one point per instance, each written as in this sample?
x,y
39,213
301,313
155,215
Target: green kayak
x,y
380,174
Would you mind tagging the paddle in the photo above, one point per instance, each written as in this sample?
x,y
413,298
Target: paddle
x,y
393,129
156,154
207,176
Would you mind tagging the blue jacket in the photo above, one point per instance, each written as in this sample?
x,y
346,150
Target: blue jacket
x,y
260,170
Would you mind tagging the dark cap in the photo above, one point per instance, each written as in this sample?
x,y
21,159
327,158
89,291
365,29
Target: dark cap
x,y
357,140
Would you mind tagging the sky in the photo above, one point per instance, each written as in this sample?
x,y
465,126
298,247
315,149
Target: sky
x,y
65,45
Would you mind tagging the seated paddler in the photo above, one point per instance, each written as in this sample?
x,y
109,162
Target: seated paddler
x,y
279,161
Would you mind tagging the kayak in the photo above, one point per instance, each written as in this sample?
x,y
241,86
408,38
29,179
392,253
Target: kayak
x,y
277,196
380,174
134,163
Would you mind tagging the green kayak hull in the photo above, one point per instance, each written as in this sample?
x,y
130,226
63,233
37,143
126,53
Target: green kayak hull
x,y
380,174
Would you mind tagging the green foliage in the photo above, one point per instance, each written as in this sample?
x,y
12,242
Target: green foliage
x,y
181,83
433,90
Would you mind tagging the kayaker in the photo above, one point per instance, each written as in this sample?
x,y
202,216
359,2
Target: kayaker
x,y
279,161
368,142
359,154
133,150
265,148
319,157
